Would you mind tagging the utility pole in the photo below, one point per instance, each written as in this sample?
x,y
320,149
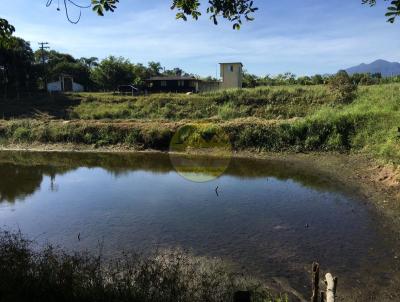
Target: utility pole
x,y
4,80
43,47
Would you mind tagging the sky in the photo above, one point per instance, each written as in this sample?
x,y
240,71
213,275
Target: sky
x,y
304,37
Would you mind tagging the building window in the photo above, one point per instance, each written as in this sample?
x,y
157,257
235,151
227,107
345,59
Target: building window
x,y
181,83
163,83
231,68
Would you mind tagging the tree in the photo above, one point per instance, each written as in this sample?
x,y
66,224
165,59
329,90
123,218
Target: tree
x,y
250,80
6,30
52,58
232,10
79,71
175,72
16,67
112,72
342,87
16,58
393,10
140,74
155,68
57,63
286,78
317,79
89,62
305,80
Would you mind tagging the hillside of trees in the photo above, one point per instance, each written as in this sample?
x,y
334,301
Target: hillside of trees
x,y
251,80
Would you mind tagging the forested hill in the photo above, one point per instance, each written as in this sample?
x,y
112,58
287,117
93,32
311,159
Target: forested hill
x,y
385,68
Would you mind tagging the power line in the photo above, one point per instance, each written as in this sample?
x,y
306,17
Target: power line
x,y
43,47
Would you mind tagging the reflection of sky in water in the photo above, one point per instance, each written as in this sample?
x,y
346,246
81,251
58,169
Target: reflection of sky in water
x,y
258,222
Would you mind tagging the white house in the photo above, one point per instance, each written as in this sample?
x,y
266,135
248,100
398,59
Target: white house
x,y
65,84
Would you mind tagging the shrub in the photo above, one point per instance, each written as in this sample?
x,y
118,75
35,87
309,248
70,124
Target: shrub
x,y
134,138
342,87
22,134
228,111
29,273
156,138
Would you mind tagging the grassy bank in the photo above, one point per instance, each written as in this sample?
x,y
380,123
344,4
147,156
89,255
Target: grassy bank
x,y
266,103
297,119
49,274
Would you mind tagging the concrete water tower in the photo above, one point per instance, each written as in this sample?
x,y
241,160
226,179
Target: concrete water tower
x,y
232,75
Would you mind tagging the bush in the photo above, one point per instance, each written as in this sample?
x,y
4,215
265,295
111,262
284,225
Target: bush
x,y
22,134
28,273
342,87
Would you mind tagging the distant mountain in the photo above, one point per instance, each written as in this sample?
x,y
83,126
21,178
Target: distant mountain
x,y
386,68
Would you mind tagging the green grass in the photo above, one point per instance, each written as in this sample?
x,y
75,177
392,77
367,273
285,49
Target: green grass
x,y
297,119
375,119
264,102
32,273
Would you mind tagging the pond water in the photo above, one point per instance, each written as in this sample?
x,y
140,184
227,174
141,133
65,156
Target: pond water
x,y
269,218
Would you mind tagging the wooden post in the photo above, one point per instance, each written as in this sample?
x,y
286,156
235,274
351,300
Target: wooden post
x,y
322,297
315,282
331,284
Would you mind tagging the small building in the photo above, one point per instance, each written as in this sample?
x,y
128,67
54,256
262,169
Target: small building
x,y
173,84
231,74
64,84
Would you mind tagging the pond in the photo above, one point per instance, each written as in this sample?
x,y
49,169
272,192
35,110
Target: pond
x,y
269,218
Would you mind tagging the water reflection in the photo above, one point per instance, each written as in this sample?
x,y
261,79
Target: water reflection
x,y
271,218
21,173
19,181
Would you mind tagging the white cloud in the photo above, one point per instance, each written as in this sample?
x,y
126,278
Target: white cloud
x,y
270,46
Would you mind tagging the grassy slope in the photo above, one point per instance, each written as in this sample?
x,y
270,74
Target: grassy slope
x,y
293,118
266,103
376,116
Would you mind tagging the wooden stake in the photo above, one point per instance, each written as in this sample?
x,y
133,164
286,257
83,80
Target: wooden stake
x,y
322,296
331,284
315,282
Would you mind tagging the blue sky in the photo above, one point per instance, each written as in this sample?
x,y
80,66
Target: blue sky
x,y
301,36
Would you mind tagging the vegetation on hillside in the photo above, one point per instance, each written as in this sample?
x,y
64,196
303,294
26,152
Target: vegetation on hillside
x,y
288,78
266,103
298,119
29,273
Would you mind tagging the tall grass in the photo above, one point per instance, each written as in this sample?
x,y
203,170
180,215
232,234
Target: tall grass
x,y
263,102
49,274
375,117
